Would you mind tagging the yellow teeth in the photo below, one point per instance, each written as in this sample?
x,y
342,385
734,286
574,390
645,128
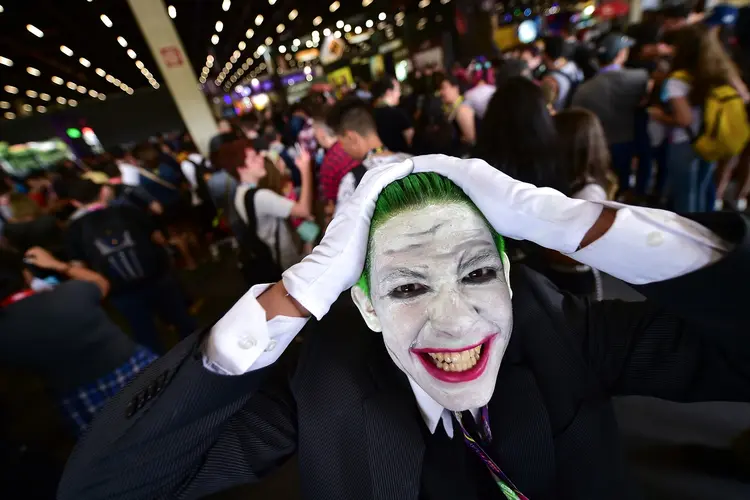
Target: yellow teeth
x,y
457,361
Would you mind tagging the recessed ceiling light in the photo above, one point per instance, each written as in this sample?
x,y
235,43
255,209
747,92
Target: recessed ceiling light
x,y
139,65
110,78
71,85
33,71
9,115
84,62
81,89
41,109
66,50
369,23
31,93
4,105
280,29
258,20
45,97
382,16
57,80
327,32
241,45
293,14
269,41
215,39
106,20
6,62
282,49
61,100
122,41
27,107
366,3
172,11
348,28
219,26
334,6
34,30
123,86
132,54
101,72
93,93
339,24
103,97
317,21
249,33
226,4
72,103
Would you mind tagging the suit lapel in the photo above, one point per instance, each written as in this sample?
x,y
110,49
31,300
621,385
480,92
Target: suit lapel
x,y
395,447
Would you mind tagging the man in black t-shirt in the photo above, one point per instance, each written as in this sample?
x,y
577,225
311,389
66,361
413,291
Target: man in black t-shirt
x,y
395,128
125,245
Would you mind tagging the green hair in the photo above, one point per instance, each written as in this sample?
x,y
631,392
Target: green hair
x,y
417,191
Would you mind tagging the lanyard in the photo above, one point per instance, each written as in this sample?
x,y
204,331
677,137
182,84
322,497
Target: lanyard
x,y
485,436
374,151
16,297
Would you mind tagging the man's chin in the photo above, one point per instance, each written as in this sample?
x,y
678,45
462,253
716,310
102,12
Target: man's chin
x,y
467,396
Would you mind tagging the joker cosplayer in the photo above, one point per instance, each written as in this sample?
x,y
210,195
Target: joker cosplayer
x,y
467,379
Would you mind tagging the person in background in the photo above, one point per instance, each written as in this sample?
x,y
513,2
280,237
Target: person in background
x,y
130,180
585,162
355,127
675,16
125,245
395,128
263,210
614,96
518,135
64,336
335,165
28,227
39,188
700,63
562,76
459,115
478,97
531,55
226,133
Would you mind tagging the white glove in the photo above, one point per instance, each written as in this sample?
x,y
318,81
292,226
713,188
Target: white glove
x,y
516,209
336,263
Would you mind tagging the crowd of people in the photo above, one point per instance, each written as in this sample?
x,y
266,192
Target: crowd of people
x,y
634,117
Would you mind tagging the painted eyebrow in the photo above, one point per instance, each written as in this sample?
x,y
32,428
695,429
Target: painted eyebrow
x,y
403,272
469,263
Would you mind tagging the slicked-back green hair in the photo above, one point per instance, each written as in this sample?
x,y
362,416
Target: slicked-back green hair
x,y
417,191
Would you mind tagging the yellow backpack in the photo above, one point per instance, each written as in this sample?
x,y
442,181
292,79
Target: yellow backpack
x,y
725,129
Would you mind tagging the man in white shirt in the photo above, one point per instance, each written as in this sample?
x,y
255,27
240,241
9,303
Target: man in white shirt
x,y
479,96
357,407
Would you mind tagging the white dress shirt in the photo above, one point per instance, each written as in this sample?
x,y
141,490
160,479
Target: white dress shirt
x,y
642,246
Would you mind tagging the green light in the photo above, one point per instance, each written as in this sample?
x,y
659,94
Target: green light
x,y
73,133
517,12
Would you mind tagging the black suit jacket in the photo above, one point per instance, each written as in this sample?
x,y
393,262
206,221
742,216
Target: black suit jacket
x,y
179,431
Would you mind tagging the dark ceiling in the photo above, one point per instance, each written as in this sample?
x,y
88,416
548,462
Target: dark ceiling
x,y
77,25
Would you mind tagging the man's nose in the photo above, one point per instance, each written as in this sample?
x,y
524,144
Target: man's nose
x,y
450,314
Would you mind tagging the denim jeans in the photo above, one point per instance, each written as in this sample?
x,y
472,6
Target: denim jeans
x,y
690,179
141,306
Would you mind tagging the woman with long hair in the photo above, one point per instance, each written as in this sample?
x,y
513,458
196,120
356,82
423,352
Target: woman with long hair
x,y
584,154
458,114
518,134
700,64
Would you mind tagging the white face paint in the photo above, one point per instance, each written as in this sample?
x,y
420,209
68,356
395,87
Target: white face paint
x,y
441,297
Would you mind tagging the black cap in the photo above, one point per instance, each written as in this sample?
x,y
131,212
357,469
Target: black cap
x,y
611,45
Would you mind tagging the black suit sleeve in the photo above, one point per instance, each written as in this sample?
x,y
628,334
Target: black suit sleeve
x,y
689,341
180,431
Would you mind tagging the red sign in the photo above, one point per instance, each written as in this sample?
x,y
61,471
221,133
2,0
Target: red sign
x,y
172,56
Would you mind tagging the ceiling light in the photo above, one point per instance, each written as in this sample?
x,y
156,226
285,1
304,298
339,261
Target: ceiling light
x,y
72,103
9,115
215,39
226,4
233,59
93,93
382,16
205,71
122,41
57,80
249,33
107,21
334,6
308,44
210,58
366,3
210,64
258,20
84,62
41,109
33,71
138,64
282,49
44,97
293,15
309,78
261,50
116,82
348,28
296,42
241,45
6,62
110,78
102,73
172,11
4,105
280,29
228,66
254,82
269,41
132,53
61,100
424,4
327,32
358,30
337,34
81,89
339,24
249,60
26,107
34,30
444,1
155,85
123,87
369,23
31,93
288,57
236,54
66,50
219,26
103,97
271,2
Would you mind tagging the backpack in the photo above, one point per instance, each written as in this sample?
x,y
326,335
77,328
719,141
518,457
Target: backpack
x,y
258,264
120,248
725,129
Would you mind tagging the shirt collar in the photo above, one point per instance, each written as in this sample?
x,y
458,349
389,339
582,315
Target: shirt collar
x,y
433,412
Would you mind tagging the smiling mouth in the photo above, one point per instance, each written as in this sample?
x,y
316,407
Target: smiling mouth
x,y
455,366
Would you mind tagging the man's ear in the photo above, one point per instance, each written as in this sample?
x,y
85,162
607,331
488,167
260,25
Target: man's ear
x,y
364,305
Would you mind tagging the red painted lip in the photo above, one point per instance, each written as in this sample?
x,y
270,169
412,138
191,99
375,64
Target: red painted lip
x,y
456,377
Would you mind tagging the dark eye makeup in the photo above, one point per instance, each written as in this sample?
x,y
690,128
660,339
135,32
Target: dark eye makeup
x,y
408,291
479,276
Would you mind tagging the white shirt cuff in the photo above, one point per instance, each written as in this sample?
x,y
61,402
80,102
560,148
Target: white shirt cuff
x,y
243,341
646,245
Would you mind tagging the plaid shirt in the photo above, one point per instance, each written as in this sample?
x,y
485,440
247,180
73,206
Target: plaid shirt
x,y
336,164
